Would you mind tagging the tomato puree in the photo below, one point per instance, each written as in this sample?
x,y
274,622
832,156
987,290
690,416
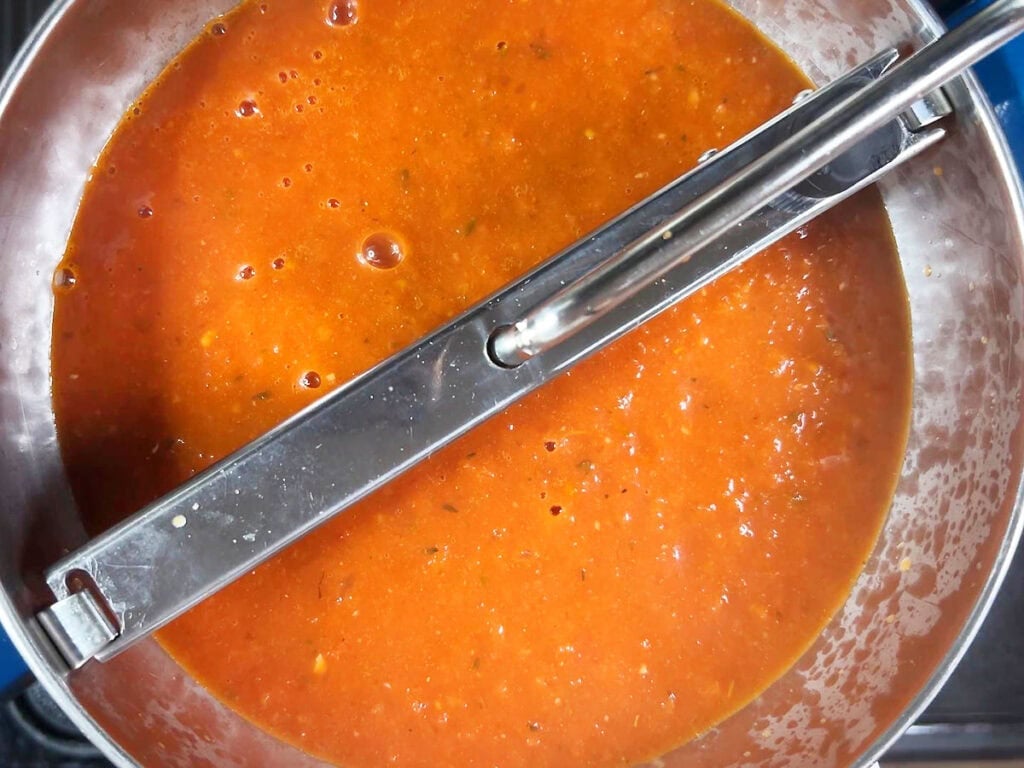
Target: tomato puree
x,y
608,568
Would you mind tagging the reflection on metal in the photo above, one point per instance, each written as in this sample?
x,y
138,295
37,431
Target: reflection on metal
x,y
933,107
705,156
238,513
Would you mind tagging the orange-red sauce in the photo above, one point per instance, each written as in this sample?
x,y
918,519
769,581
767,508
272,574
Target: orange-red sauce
x,y
603,571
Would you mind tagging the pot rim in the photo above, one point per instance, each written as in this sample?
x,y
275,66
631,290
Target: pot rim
x,y
30,642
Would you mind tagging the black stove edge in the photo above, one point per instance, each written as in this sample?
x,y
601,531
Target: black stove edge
x,y
947,742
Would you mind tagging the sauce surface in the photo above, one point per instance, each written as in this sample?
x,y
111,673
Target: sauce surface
x,y
611,566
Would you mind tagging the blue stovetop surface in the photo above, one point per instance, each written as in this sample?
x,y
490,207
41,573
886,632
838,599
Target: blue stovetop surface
x,y
11,665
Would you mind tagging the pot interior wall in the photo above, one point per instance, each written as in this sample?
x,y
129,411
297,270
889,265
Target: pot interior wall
x,y
957,223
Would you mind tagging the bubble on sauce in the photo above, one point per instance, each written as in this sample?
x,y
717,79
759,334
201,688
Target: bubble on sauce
x,y
318,55
310,380
556,510
381,251
247,272
145,212
278,263
247,108
334,203
343,13
309,167
64,279
286,182
283,77
218,30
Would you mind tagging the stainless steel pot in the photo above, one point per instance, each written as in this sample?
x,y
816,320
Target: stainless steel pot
x,y
957,217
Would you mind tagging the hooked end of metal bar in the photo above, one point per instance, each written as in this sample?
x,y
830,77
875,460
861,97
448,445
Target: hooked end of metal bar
x,y
78,627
